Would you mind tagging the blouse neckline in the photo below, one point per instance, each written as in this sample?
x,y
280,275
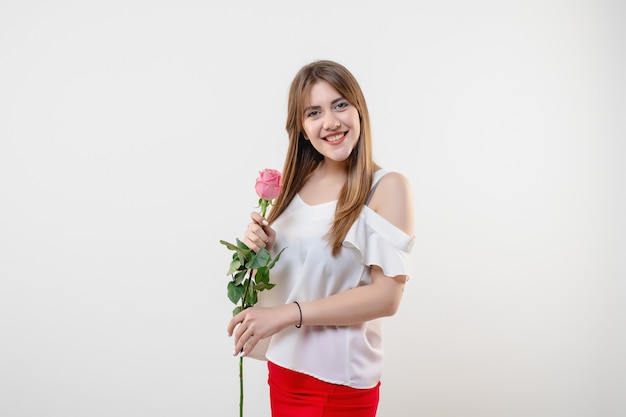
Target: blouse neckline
x,y
377,175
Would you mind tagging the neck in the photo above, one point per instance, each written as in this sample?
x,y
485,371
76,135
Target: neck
x,y
333,168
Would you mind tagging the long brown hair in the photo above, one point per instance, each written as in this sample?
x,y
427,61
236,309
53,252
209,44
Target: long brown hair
x,y
302,158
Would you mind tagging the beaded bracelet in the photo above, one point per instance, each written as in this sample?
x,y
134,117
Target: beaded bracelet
x,y
300,310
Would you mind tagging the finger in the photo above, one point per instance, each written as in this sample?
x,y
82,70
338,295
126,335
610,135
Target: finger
x,y
239,331
262,235
249,244
244,341
230,328
242,327
233,322
248,346
258,235
257,218
250,237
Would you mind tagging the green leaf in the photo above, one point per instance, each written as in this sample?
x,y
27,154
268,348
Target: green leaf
x,y
261,286
235,292
239,277
242,259
229,245
237,310
251,297
262,275
259,260
240,248
242,245
235,265
273,262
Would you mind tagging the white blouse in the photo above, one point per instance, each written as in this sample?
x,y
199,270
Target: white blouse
x,y
306,270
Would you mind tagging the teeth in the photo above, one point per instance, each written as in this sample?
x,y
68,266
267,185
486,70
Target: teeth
x,y
334,138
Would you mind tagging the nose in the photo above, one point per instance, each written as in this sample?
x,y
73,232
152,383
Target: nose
x,y
331,122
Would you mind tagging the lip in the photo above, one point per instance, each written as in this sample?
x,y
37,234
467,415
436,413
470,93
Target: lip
x,y
338,141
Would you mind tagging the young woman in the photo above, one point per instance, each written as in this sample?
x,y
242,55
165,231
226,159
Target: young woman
x,y
347,226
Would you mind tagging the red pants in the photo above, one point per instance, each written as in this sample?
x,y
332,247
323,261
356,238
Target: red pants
x,y
293,394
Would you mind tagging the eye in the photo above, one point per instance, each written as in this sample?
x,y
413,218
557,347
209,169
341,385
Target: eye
x,y
312,113
342,105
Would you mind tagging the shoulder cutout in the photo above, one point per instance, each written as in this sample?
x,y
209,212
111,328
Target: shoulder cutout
x,y
392,199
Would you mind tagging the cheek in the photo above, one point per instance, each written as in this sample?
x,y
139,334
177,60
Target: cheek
x,y
351,118
309,129
356,124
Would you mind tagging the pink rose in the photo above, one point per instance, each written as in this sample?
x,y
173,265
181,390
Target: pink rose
x,y
269,184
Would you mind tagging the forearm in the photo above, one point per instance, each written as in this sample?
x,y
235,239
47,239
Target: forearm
x,y
357,305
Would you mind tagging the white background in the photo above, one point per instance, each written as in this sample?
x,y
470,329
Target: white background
x,y
131,133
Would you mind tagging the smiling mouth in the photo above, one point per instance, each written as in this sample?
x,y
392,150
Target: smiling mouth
x,y
335,138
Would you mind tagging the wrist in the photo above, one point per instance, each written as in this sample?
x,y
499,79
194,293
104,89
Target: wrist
x,y
298,324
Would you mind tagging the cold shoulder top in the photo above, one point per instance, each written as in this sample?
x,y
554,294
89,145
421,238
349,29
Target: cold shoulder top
x,y
346,355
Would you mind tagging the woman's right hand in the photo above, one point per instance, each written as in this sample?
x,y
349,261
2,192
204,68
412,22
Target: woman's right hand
x,y
258,234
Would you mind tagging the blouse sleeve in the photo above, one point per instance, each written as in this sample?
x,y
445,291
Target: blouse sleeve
x,y
378,242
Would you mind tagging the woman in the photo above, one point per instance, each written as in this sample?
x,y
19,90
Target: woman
x,y
347,226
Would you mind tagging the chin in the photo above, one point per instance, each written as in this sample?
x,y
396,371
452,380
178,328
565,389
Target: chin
x,y
338,158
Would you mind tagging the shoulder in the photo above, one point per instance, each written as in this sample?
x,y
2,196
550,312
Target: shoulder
x,y
394,181
393,200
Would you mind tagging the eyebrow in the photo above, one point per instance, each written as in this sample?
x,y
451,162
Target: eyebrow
x,y
307,108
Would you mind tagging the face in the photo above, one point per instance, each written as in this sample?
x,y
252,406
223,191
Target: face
x,y
330,122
